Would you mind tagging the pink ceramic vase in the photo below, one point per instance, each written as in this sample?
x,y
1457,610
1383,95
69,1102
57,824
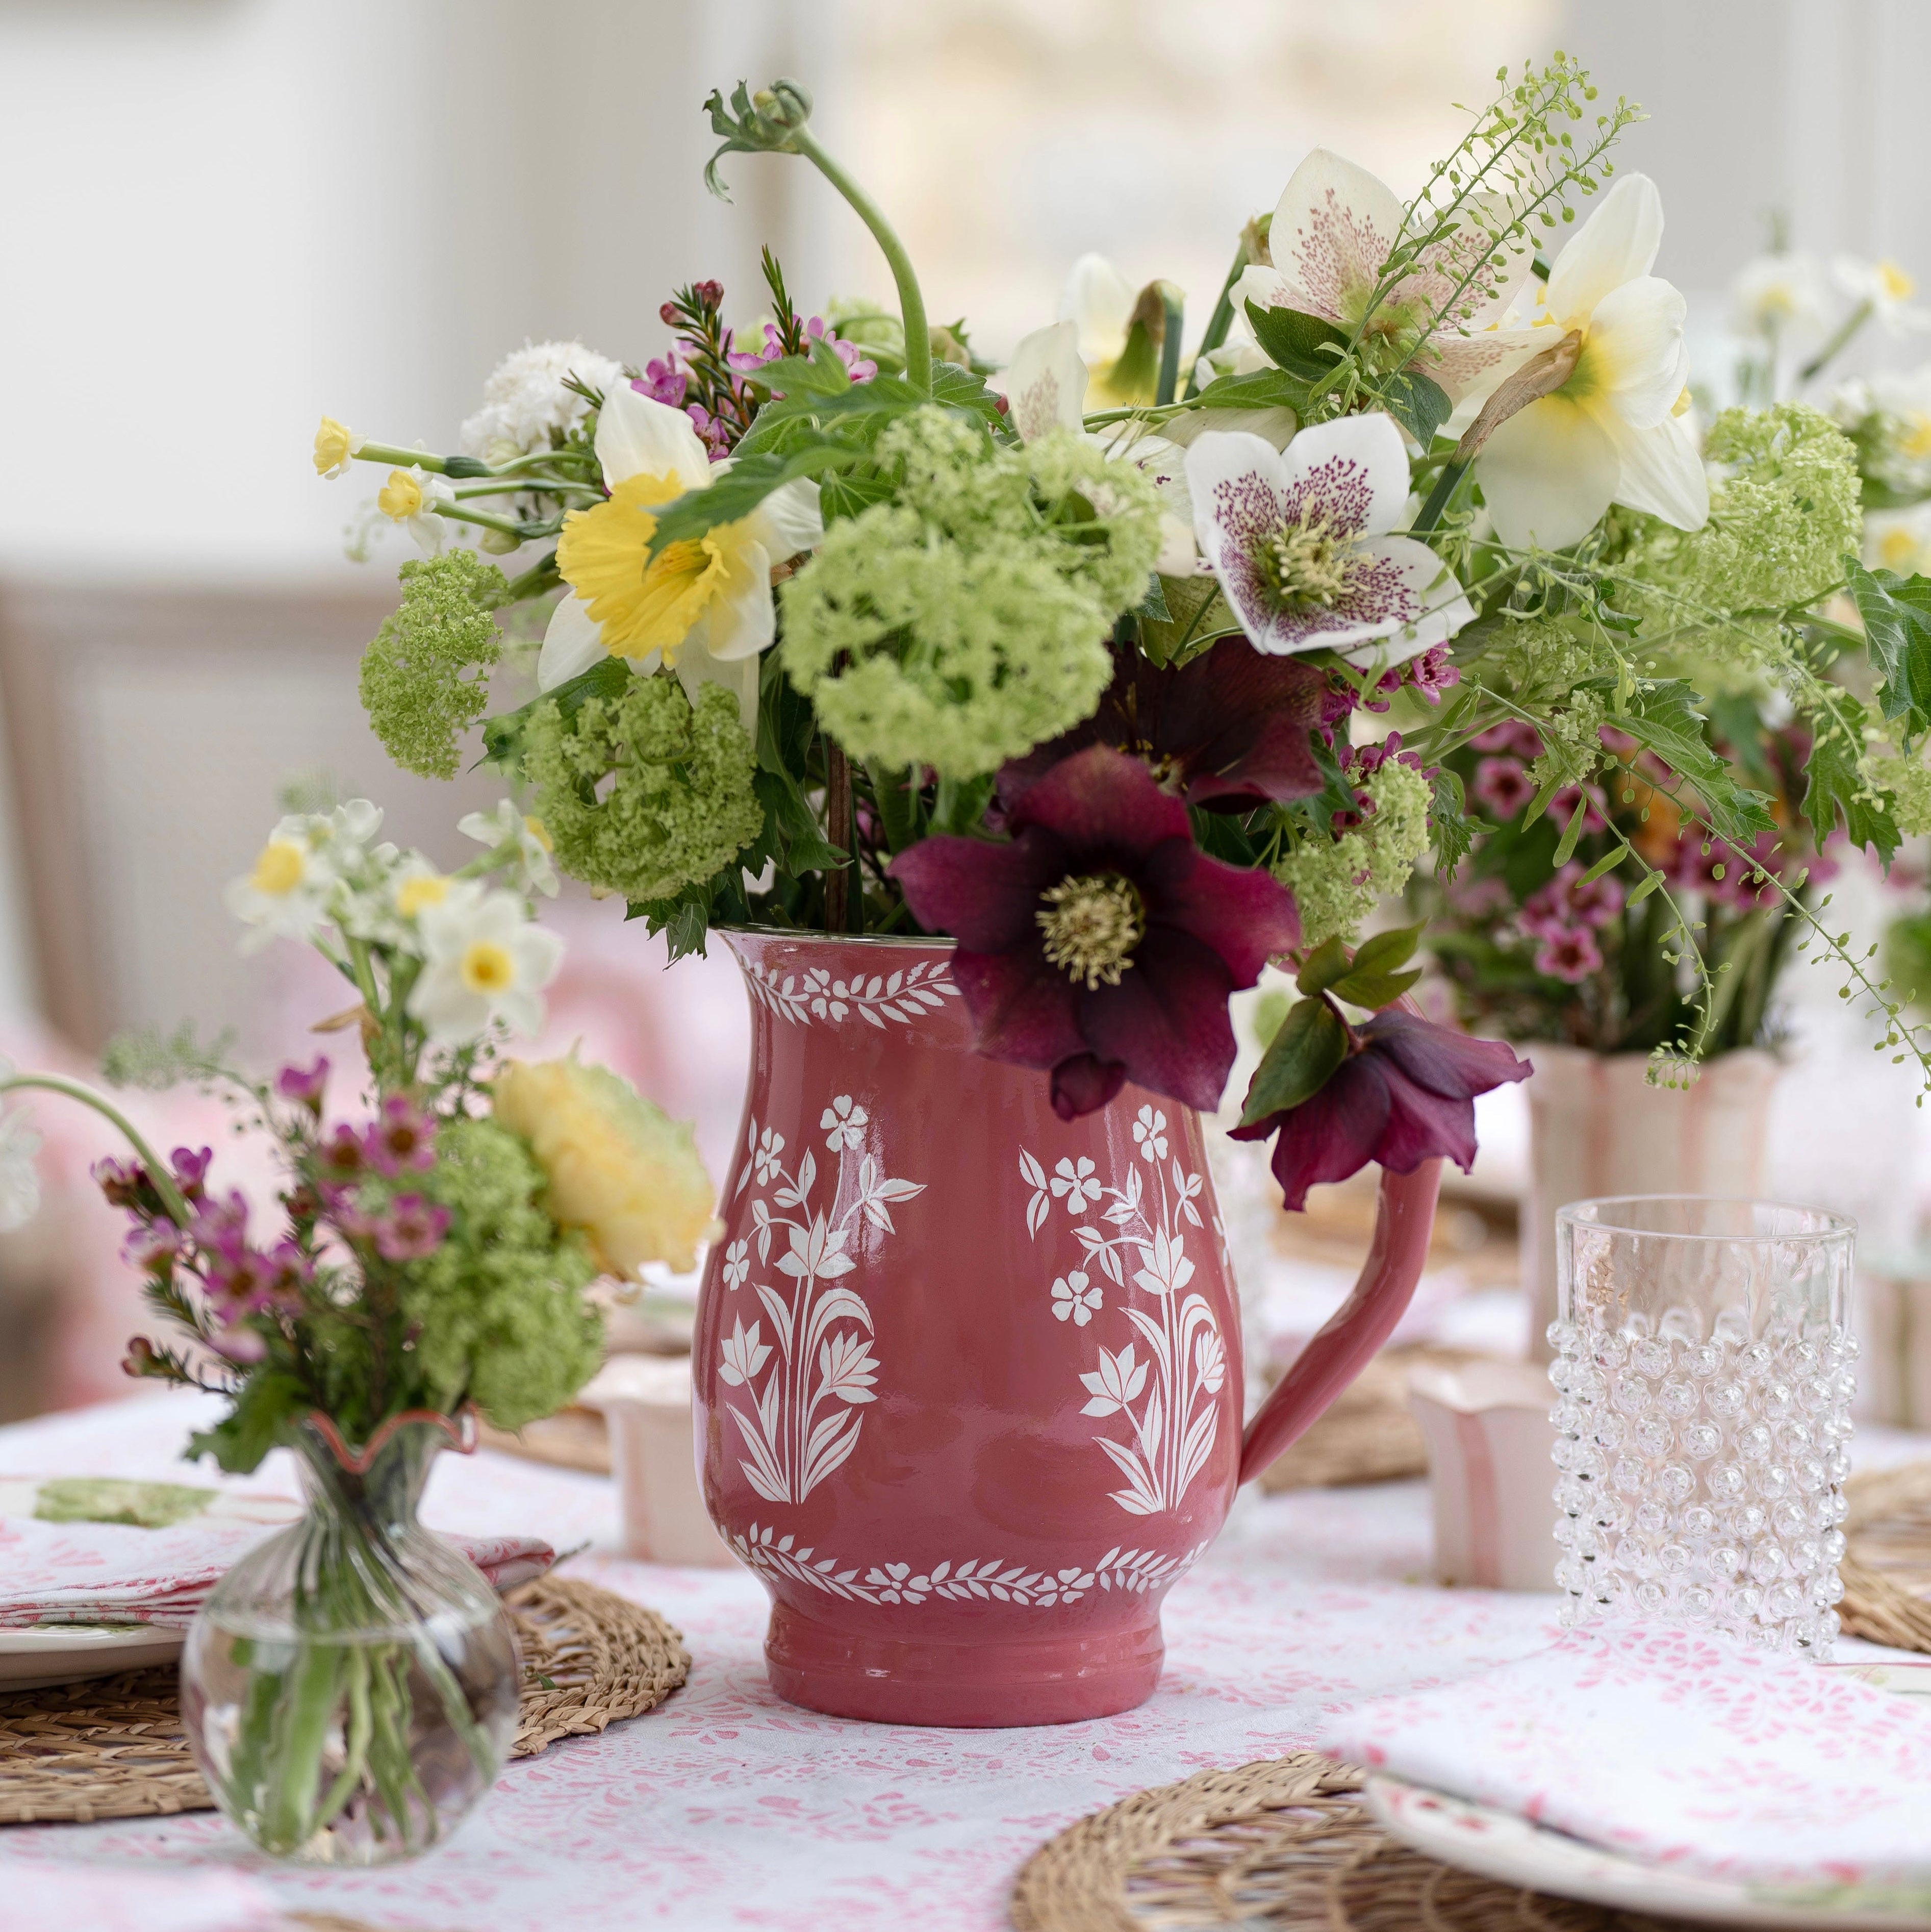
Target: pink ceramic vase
x,y
968,1385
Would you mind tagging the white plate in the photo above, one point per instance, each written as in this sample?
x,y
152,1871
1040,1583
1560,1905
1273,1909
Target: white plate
x,y
1500,1845
30,1660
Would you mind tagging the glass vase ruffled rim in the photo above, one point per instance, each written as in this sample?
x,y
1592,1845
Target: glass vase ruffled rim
x,y
1779,1224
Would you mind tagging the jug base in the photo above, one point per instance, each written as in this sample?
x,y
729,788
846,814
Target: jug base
x,y
910,1680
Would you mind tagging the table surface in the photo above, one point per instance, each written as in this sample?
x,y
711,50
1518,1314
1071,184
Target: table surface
x,y
726,1807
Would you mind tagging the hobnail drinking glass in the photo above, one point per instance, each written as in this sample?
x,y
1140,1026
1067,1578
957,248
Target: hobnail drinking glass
x,y
1703,1375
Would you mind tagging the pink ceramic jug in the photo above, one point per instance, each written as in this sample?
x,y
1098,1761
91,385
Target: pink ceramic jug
x,y
968,1378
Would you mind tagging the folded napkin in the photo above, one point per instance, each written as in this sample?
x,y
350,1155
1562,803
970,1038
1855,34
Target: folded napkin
x,y
84,1550
1662,1744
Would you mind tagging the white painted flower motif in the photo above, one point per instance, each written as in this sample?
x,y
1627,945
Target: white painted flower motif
x,y
1117,1381
1210,1359
817,1253
770,1153
1149,1133
1074,1298
1301,541
848,1367
1167,1269
1076,1185
737,1263
844,1124
742,1354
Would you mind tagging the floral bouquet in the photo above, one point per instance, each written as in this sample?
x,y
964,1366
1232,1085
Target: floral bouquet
x,y
350,1684
1094,667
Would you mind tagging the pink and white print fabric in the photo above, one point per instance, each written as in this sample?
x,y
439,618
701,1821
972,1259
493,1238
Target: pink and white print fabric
x,y
1663,1744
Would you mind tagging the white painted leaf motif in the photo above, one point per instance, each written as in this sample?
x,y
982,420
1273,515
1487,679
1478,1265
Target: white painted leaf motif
x,y
779,1309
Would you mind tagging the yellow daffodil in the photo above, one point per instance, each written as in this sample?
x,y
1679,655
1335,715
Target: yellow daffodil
x,y
335,444
702,607
1611,431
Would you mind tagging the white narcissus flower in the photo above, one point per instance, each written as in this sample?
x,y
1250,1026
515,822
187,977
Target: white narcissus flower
x,y
1885,287
410,498
703,606
1615,430
285,895
1899,540
1780,298
1300,540
533,843
482,961
1331,235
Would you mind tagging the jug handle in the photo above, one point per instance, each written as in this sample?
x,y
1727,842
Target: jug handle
x,y
1404,1215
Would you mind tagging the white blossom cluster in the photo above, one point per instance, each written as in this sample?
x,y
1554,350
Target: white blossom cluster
x,y
526,406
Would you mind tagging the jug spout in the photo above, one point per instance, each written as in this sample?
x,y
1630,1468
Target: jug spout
x,y
1404,1215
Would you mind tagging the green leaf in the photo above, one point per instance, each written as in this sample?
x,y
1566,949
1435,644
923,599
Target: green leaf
x,y
961,803
1152,607
1296,342
1647,884
1311,1044
1836,784
740,490
1374,990
1603,866
1385,951
1662,718
502,735
1565,846
1896,611
269,1400
1326,964
802,845
1198,614
850,493
1417,402
821,373
956,388
1258,389
1454,831
685,920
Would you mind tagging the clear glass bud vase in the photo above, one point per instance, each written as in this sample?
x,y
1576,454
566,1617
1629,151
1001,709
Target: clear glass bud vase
x,y
350,1689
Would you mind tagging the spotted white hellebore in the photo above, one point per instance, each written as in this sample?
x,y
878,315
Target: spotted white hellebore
x,y
1300,541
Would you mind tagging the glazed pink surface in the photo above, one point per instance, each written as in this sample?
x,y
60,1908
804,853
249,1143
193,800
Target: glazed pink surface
x,y
968,1376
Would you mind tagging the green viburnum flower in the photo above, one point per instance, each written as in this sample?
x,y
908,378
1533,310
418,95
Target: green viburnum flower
x,y
964,622
1336,884
425,675
680,804
1781,523
497,1309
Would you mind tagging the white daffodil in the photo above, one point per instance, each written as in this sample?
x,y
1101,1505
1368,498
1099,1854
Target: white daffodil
x,y
1331,235
410,498
483,960
506,825
702,606
1899,540
1614,427
19,1182
1780,298
1300,540
1044,386
1883,288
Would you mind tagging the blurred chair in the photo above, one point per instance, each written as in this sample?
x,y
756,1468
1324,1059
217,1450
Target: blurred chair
x,y
151,730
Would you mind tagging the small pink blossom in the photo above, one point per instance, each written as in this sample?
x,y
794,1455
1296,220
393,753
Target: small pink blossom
x,y
1514,737
402,1136
304,1084
1565,901
190,1170
1503,785
121,1181
412,1228
1572,956
150,1245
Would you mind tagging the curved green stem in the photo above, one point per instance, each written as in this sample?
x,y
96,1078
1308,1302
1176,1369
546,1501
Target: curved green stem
x,y
911,301
172,1198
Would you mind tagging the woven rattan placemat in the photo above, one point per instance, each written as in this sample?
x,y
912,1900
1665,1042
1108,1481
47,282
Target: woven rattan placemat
x,y
112,1747
1283,1844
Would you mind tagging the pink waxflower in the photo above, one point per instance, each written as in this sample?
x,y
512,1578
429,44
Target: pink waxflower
x,y
1572,955
151,1247
1514,737
190,1170
664,382
1550,912
1503,785
1431,673
411,1229
220,1227
240,1282
242,1346
305,1084
344,1156
123,1182
402,1136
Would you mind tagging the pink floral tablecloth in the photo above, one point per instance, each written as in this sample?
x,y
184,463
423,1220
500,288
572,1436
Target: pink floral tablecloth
x,y
727,1808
